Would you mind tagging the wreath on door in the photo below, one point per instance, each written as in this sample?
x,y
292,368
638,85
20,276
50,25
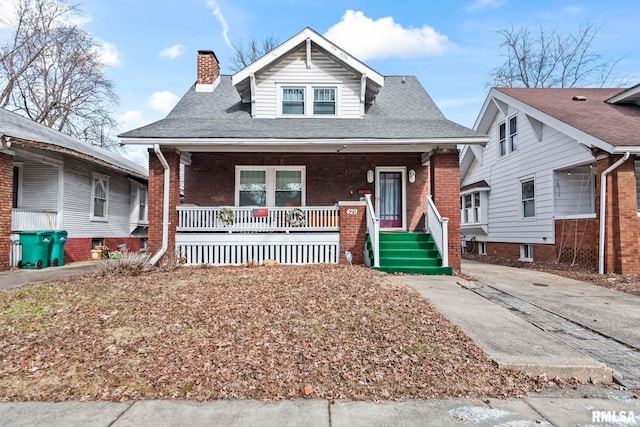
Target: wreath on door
x,y
226,216
297,217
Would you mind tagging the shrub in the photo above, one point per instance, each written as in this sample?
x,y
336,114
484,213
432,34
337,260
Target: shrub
x,y
129,264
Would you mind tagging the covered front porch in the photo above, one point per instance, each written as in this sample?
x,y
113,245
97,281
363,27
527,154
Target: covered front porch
x,y
331,210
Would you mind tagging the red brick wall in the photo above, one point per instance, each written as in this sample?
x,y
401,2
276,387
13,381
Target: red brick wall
x,y
353,230
79,249
6,195
577,242
330,178
156,194
621,229
445,187
541,252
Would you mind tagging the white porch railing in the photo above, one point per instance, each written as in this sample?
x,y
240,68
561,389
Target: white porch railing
x,y
438,227
239,249
373,228
28,219
248,219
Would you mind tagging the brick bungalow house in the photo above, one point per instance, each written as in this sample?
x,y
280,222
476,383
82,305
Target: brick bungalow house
x,y
300,157
558,180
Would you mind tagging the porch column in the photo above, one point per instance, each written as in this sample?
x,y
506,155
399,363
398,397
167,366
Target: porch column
x,y
621,231
6,194
353,230
445,189
156,194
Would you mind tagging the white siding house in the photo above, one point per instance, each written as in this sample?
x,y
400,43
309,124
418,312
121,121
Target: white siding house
x,y
535,184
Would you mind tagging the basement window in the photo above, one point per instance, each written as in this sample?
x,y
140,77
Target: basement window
x,y
526,253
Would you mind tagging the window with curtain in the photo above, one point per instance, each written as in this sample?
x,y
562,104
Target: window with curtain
x,y
293,101
288,191
253,188
324,101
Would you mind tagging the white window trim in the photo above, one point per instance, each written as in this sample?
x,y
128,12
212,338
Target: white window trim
x,y
271,181
507,139
482,245
522,252
521,201
402,169
308,99
105,178
144,220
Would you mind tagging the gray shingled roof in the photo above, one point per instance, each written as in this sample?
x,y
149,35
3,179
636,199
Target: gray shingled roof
x,y
16,126
403,110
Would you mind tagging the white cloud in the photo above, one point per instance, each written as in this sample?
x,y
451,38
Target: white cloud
x,y
383,38
130,120
8,16
109,54
163,101
172,52
484,4
213,5
573,10
137,154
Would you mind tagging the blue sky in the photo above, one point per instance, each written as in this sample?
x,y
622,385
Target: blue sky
x,y
450,46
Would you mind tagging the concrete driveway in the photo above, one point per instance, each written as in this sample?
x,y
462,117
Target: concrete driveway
x,y
23,277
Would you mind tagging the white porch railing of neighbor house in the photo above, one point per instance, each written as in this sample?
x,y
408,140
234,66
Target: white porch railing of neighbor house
x,y
438,227
28,219
257,248
373,228
247,219
15,253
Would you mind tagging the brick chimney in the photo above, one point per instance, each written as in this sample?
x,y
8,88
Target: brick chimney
x,y
208,70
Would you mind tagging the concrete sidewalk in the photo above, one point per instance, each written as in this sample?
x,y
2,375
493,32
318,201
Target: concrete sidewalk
x,y
534,411
23,277
609,312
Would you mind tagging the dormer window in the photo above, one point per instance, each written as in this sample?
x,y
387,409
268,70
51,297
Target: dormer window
x,y
292,100
324,101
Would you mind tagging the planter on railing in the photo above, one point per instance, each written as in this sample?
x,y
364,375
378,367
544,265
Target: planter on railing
x,y
251,219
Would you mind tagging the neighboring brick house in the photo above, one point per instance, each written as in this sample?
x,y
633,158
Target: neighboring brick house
x,y
535,192
300,157
50,181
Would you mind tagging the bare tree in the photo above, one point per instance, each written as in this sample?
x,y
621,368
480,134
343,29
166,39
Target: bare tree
x,y
244,55
551,59
52,73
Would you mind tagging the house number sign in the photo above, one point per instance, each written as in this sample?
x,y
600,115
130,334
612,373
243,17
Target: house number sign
x,y
352,211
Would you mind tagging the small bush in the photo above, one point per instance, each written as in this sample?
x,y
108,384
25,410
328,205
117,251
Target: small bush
x,y
129,264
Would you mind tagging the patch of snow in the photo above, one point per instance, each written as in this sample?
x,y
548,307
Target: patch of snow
x,y
477,414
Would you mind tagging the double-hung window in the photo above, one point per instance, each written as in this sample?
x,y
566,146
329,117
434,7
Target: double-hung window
x,y
142,204
471,208
270,185
508,136
528,198
293,101
308,100
324,101
100,197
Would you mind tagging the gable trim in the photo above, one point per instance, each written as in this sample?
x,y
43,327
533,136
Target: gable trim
x,y
307,36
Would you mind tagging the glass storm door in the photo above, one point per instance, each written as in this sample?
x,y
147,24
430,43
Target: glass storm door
x,y
390,199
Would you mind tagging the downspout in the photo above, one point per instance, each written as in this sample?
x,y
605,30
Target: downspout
x,y
165,206
603,207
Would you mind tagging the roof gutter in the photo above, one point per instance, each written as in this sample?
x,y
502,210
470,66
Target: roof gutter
x,y
603,208
165,206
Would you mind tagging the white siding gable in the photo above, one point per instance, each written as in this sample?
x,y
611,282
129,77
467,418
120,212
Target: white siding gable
x,y
292,71
534,158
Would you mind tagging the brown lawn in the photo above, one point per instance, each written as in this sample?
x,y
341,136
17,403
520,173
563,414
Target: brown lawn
x,y
279,332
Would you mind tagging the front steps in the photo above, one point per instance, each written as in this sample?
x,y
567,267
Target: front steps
x,y
414,253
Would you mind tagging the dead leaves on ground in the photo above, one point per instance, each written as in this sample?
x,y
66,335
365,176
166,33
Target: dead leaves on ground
x,y
280,332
